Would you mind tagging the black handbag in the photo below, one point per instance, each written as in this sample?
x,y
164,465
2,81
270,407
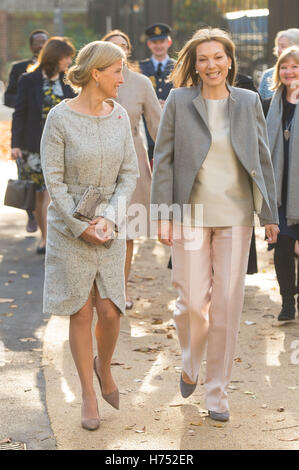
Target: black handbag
x,y
20,194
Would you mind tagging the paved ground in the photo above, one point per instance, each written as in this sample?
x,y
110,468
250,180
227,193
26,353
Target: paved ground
x,y
22,387
40,394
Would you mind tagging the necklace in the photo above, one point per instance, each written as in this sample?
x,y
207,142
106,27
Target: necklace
x,y
287,130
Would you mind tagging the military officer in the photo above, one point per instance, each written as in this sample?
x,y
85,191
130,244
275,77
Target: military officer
x,y
158,66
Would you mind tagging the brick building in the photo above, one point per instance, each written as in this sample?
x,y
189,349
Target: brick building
x,y
19,17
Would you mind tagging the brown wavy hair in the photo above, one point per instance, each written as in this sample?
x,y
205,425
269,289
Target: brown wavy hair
x,y
184,73
55,49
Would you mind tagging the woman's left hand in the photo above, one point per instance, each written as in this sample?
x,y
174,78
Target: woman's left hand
x,y
272,231
104,228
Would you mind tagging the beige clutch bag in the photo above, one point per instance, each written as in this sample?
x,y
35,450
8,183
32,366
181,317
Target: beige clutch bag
x,y
86,207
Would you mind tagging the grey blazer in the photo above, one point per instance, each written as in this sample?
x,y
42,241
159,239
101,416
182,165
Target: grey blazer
x,y
274,119
184,140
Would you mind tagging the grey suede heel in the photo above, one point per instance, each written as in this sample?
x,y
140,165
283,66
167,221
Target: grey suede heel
x,y
186,389
111,398
219,416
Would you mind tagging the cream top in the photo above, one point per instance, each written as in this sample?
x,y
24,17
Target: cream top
x,y
222,186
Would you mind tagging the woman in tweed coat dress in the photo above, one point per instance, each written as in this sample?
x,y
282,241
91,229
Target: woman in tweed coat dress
x,y
87,141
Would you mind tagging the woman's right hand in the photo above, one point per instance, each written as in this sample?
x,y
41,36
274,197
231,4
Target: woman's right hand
x,y
89,235
16,152
165,232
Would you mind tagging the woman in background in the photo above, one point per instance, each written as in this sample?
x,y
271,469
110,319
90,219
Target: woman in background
x,y
283,131
39,91
283,40
138,97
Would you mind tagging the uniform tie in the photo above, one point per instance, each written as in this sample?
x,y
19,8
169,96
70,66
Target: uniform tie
x,y
159,69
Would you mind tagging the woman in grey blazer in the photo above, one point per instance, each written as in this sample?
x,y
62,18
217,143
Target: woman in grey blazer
x,y
212,160
283,131
87,141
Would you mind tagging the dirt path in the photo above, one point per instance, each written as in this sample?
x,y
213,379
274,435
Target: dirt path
x,y
263,391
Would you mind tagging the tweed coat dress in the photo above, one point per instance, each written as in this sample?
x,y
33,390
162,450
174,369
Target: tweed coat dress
x,y
138,97
78,150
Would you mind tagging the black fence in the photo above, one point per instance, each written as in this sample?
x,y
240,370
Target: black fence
x,y
246,20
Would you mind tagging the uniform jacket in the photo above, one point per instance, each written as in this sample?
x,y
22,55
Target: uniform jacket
x,y
184,140
161,86
27,123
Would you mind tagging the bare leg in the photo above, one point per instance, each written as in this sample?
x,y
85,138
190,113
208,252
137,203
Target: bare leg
x,y
106,333
41,207
129,255
80,337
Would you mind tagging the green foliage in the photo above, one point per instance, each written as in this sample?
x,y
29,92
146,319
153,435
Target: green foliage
x,y
190,15
79,34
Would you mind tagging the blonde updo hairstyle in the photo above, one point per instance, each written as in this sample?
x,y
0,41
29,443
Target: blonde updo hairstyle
x,y
95,55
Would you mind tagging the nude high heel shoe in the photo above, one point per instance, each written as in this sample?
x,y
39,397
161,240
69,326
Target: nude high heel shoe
x,y
91,424
111,398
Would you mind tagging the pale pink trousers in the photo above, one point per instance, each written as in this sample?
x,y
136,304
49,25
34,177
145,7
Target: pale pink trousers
x,y
209,274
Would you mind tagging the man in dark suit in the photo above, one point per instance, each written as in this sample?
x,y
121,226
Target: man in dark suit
x,y
36,40
158,66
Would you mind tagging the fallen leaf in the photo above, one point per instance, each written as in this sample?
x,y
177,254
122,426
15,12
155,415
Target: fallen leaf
x,y
156,321
280,409
27,340
5,441
12,272
160,331
149,349
130,426
25,276
7,314
288,439
13,306
117,363
29,292
3,300
200,423
141,430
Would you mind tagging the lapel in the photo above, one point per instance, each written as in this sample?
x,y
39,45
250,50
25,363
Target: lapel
x,y
151,68
67,91
38,87
274,118
169,66
200,107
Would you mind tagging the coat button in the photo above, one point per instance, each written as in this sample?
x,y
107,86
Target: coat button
x,y
253,173
160,79
160,90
